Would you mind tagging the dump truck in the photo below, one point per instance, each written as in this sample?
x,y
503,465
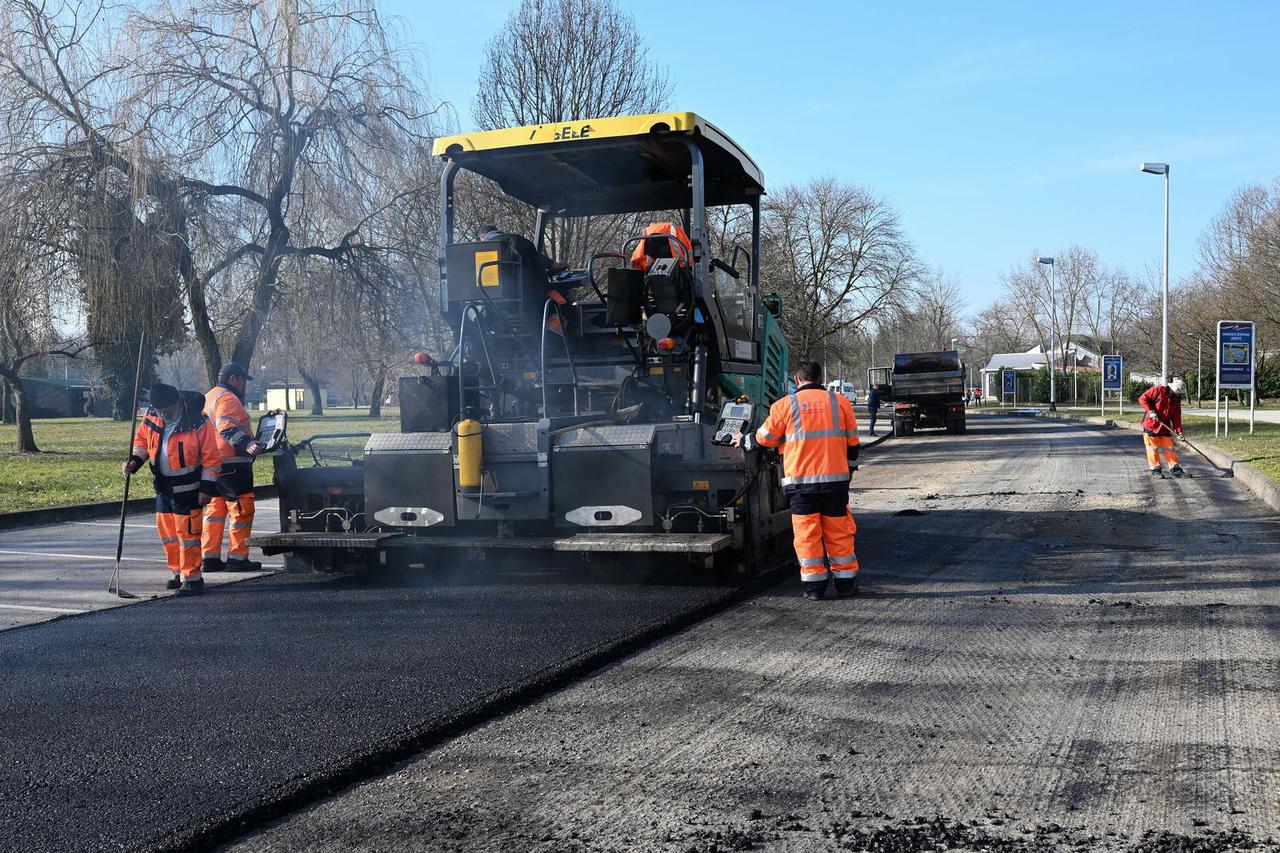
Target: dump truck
x,y
587,409
926,390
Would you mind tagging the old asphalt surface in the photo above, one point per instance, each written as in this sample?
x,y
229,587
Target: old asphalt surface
x,y
1053,652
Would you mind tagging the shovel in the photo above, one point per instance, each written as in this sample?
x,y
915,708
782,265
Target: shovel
x,y
114,587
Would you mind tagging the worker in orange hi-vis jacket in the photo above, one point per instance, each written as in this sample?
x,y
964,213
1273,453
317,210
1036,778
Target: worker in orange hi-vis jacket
x,y
817,432
175,437
233,506
1163,407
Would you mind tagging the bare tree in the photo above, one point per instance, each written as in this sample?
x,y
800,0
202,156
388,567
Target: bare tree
x,y
563,60
31,301
839,257
233,124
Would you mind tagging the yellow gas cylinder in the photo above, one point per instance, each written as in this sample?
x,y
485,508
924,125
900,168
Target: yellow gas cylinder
x,y
470,452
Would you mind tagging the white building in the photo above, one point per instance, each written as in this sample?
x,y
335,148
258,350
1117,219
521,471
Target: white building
x,y
1078,357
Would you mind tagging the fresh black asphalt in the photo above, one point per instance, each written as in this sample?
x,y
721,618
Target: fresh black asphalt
x,y
176,722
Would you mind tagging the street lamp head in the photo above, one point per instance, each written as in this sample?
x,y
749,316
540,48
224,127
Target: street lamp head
x,y
1156,168
1048,261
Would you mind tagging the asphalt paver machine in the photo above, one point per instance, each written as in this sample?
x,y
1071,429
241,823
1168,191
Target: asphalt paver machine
x,y
585,412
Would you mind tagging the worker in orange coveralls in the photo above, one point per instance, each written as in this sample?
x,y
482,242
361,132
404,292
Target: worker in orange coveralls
x,y
817,433
175,437
224,407
1163,405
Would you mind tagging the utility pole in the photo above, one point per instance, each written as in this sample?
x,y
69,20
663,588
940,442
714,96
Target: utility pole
x,y
1163,169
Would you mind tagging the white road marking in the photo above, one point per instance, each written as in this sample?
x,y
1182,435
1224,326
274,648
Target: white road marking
x,y
78,556
114,524
41,609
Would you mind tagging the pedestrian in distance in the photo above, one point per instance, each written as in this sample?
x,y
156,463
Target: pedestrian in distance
x,y
816,431
873,408
176,438
234,502
1163,407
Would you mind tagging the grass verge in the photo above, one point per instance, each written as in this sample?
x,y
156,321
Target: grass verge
x,y
80,458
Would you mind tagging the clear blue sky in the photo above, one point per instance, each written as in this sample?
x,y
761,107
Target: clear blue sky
x,y
997,129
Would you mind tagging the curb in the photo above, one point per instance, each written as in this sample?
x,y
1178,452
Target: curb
x,y
75,512
1263,487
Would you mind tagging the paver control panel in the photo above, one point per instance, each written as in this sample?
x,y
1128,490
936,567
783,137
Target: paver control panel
x,y
735,419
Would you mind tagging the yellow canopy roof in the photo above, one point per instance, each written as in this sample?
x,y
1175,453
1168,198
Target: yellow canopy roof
x,y
608,165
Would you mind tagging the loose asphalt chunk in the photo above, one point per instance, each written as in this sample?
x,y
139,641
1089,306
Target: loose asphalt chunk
x,y
166,723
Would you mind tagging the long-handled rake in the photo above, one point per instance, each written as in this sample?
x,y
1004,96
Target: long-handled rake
x,y
114,587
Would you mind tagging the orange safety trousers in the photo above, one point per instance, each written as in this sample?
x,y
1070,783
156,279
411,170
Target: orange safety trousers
x,y
180,536
823,534
1160,449
220,510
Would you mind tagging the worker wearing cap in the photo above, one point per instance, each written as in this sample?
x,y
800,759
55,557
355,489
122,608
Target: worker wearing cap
x,y
817,432
233,505
175,437
1163,405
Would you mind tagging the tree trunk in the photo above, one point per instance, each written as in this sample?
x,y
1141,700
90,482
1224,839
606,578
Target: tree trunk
x,y
375,402
26,438
6,406
317,404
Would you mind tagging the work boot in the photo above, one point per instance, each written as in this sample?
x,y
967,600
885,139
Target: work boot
x,y
212,564
846,587
814,591
1176,471
195,587
1156,472
240,564
173,582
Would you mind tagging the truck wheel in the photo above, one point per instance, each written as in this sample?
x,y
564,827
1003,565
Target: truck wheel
x,y
961,427
899,428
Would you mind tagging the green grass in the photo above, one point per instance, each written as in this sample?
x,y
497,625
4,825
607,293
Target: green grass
x,y
80,458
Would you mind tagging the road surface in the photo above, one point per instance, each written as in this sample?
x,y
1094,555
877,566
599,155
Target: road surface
x,y
1054,651
54,570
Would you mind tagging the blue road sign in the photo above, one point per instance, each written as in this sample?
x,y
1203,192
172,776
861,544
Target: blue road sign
x,y
1010,379
1235,354
1113,373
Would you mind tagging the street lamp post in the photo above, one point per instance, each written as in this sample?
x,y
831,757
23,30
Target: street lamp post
x,y
1053,332
1199,375
1163,169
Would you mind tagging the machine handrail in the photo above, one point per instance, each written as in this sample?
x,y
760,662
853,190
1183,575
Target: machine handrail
x,y
470,308
568,351
685,255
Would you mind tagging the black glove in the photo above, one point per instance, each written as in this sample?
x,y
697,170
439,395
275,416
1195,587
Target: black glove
x,y
853,454
131,465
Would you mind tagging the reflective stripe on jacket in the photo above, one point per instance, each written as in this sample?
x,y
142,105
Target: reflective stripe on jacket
x,y
192,455
814,428
1160,402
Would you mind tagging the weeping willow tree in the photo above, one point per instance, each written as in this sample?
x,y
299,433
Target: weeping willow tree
x,y
130,285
